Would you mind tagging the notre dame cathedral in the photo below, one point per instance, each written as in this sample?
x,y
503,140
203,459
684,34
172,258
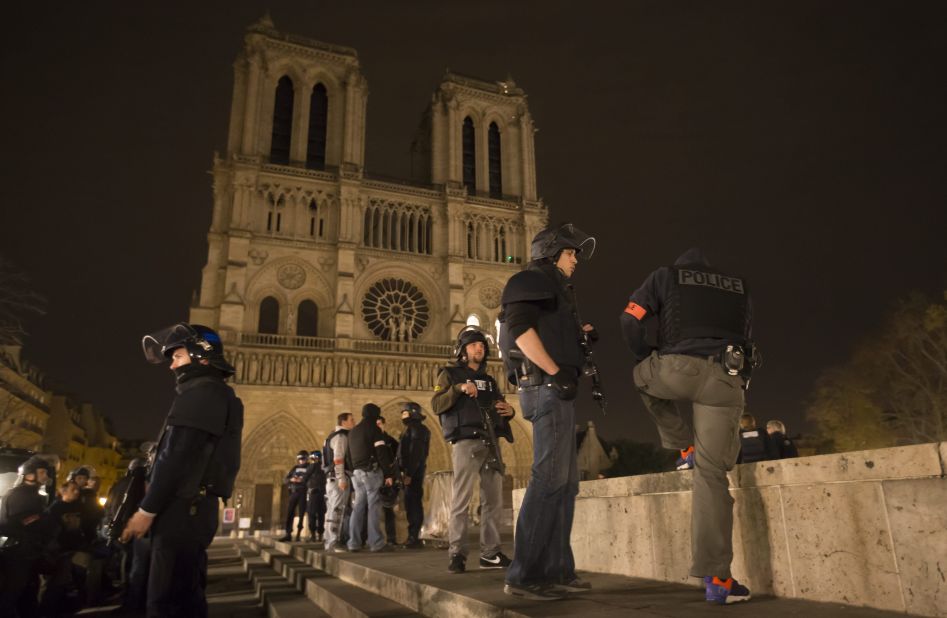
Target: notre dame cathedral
x,y
332,288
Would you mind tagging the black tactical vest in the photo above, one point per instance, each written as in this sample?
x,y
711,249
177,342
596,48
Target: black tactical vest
x,y
328,459
700,302
558,325
464,420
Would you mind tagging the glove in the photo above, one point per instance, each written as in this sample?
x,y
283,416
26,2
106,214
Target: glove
x,y
565,385
592,334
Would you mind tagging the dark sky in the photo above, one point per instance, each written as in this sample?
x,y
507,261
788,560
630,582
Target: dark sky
x,y
801,144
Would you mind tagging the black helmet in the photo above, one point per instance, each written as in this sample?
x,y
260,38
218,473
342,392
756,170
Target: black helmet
x,y
550,241
302,455
470,334
315,455
202,343
412,411
31,465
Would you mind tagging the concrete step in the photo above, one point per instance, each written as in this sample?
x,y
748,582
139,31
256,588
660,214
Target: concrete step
x,y
337,598
276,596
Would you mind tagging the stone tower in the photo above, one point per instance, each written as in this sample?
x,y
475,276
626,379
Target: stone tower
x,y
332,288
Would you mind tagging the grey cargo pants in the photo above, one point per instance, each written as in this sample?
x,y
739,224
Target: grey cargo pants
x,y
718,400
469,458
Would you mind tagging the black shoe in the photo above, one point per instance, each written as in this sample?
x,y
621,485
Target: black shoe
x,y
576,585
500,561
413,544
457,564
535,592
285,537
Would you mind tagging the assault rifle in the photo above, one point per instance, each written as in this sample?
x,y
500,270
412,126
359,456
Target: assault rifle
x,y
132,497
495,459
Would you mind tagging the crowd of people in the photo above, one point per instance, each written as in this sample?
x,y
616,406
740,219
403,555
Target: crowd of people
x,y
689,330
343,492
55,556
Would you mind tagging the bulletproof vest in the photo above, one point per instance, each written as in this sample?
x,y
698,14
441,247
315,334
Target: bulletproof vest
x,y
558,324
464,420
328,458
208,404
298,472
702,303
752,446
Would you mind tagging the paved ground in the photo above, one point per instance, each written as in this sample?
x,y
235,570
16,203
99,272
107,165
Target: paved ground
x,y
231,595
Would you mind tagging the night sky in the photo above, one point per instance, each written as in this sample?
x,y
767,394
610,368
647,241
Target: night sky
x,y
800,144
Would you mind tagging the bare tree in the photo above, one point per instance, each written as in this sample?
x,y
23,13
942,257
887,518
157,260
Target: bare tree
x,y
17,300
894,389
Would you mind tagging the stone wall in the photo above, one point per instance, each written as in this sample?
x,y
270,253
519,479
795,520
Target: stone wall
x,y
864,528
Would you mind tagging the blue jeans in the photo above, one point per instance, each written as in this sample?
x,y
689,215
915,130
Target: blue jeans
x,y
367,504
543,552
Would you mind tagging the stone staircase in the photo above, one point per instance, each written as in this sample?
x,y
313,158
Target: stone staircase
x,y
296,580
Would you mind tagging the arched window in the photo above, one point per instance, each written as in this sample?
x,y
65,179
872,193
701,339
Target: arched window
x,y
376,228
282,121
386,229
307,319
493,153
313,218
318,121
269,316
470,240
428,233
367,231
473,320
470,156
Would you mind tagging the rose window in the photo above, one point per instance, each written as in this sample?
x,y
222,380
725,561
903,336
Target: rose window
x,y
395,310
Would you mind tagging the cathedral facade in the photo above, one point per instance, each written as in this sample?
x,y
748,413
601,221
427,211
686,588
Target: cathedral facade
x,y
332,288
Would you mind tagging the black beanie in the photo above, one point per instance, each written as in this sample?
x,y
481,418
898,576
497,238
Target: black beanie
x,y
370,410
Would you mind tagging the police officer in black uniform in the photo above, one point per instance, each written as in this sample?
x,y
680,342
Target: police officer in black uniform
x,y
541,337
373,467
296,481
195,465
702,353
29,531
413,447
316,497
389,494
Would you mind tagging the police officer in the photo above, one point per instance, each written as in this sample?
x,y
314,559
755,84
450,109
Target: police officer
x,y
541,336
465,398
373,467
702,319
316,497
389,494
338,468
195,465
413,446
296,481
29,530
752,441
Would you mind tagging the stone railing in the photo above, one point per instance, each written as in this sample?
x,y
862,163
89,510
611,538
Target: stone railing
x,y
371,368
864,528
286,341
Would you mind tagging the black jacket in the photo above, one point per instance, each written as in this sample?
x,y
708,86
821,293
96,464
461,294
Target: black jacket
x,y
413,448
780,446
752,446
301,472
659,318
367,447
460,416
316,479
200,444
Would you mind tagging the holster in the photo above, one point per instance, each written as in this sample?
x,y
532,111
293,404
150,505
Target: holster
x,y
527,373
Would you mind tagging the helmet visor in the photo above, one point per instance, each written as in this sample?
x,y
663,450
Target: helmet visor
x,y
158,345
570,236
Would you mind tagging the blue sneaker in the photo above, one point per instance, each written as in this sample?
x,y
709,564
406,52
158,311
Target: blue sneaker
x,y
723,592
686,460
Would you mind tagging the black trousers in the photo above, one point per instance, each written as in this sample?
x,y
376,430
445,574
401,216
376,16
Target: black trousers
x,y
178,575
316,511
413,505
297,502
